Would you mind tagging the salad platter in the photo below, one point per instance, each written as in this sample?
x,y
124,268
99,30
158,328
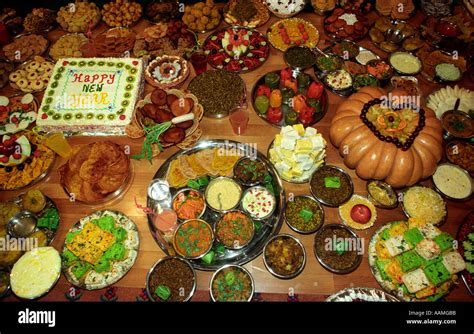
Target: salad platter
x,y
217,173
236,49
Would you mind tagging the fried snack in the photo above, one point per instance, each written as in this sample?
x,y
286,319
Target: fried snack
x,y
68,46
40,161
113,43
202,16
40,19
175,177
7,211
431,59
384,7
95,171
121,13
213,162
323,5
33,200
79,16
25,47
33,76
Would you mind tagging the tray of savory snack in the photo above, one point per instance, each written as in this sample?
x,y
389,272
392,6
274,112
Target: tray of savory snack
x,y
293,31
24,160
31,216
414,260
228,200
100,249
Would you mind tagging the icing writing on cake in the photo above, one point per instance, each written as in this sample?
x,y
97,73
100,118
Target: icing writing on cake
x,y
94,79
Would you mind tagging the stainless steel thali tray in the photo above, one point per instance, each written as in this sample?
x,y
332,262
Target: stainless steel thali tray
x,y
269,227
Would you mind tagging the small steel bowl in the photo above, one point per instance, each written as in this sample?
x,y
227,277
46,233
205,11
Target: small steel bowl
x,y
348,177
235,246
204,253
159,262
405,211
298,68
401,72
209,187
374,62
271,270
452,143
445,128
301,231
447,196
22,224
270,213
187,190
247,184
252,282
331,55
387,188
324,264
395,36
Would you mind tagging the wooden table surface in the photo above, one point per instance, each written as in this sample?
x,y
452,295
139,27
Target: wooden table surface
x,y
314,279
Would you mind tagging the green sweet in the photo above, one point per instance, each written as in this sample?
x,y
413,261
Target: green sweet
x,y
385,235
437,273
444,241
209,257
102,265
380,264
409,260
163,292
69,257
106,223
413,236
115,252
119,233
79,269
71,236
262,103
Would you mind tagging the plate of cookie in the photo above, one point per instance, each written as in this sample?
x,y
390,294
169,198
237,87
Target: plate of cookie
x,y
32,76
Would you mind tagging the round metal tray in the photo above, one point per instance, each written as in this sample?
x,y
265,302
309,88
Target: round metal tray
x,y
270,226
361,294
324,99
208,39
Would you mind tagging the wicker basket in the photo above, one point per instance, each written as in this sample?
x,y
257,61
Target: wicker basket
x,y
193,133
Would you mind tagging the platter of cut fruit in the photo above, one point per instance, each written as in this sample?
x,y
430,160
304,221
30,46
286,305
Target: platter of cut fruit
x,y
236,49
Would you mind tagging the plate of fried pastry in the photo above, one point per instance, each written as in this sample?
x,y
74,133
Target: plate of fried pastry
x,y
96,173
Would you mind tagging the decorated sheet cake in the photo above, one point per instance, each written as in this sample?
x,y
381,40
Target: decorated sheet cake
x,y
94,96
